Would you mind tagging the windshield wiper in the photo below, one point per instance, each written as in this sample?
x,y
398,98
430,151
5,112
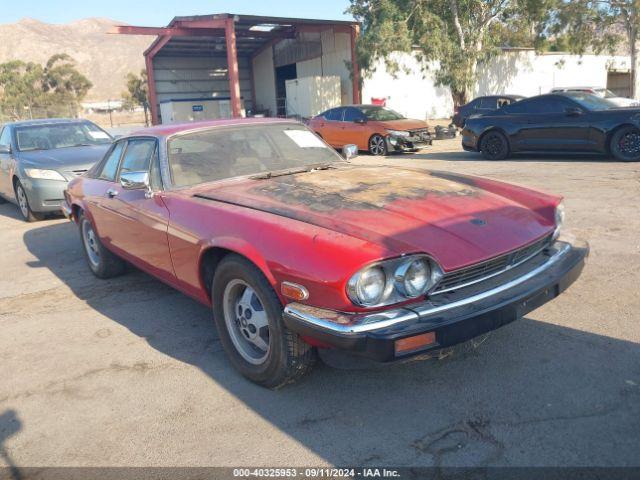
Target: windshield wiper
x,y
290,171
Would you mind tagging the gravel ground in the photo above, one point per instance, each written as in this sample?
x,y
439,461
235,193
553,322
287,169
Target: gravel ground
x,y
129,372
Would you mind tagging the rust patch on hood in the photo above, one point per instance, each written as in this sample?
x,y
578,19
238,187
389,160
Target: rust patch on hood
x,y
358,188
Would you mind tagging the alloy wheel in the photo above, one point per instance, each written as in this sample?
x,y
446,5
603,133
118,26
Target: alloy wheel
x,y
377,145
629,144
246,321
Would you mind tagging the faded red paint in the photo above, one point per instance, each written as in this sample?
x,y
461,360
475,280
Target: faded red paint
x,y
315,229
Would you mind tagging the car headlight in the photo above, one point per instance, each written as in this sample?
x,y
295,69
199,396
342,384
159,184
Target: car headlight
x,y
413,278
393,281
367,286
559,219
44,174
398,133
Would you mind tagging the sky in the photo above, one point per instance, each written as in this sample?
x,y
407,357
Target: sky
x,y
160,12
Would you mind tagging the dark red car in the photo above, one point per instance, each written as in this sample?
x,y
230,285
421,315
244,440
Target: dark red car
x,y
297,249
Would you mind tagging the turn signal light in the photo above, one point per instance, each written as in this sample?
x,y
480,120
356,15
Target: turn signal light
x,y
294,291
416,342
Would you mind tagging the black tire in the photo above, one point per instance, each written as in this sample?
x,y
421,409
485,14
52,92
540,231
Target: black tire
x,y
287,358
494,146
23,204
625,144
378,145
104,264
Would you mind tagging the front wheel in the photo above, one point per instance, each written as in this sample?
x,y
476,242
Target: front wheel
x,y
494,146
248,315
23,202
625,144
377,145
102,262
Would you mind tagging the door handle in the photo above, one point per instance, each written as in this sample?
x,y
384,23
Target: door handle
x,y
112,192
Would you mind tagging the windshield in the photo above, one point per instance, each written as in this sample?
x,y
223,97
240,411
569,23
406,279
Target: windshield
x,y
226,152
603,92
382,114
591,101
51,136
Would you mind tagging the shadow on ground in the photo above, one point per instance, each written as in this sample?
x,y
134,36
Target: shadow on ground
x,y
462,156
533,393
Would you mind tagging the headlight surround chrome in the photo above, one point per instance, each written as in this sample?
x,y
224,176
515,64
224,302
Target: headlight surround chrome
x,y
44,174
559,216
394,281
398,133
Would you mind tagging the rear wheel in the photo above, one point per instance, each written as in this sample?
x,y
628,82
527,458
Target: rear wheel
x,y
248,315
625,144
377,145
23,203
102,262
494,146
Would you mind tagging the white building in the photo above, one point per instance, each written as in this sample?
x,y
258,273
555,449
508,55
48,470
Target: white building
x,y
516,71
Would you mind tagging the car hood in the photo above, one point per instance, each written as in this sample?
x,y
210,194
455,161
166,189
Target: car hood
x,y
404,124
64,159
402,210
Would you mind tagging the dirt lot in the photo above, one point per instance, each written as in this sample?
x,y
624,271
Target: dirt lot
x,y
129,372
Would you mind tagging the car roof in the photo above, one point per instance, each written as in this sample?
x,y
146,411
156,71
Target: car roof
x,y
577,88
45,121
507,95
166,130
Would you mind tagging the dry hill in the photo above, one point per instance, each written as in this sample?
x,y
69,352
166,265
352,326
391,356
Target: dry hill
x,y
104,59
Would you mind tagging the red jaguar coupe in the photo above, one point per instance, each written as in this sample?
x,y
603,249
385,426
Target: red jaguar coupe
x,y
295,248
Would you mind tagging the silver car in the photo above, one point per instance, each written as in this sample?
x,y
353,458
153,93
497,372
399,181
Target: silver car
x,y
38,158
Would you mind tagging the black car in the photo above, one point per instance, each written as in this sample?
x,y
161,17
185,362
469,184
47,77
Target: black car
x,y
482,105
568,122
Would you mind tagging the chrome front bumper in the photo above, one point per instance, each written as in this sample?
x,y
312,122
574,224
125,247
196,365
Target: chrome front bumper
x,y
453,316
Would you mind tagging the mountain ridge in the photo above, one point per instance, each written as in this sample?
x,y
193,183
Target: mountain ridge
x,y
103,58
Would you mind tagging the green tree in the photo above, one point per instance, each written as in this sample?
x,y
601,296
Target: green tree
x,y
137,93
454,34
28,89
599,25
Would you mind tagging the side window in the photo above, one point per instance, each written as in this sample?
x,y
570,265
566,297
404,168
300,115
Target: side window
x,y
137,157
488,103
110,165
521,107
5,136
475,104
334,114
547,105
352,114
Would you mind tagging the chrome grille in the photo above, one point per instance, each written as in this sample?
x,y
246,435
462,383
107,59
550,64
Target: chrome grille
x,y
476,273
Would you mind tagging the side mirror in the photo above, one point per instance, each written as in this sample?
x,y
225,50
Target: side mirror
x,y
136,181
349,151
360,121
573,111
5,149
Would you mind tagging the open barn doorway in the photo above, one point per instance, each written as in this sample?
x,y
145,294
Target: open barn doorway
x,y
284,73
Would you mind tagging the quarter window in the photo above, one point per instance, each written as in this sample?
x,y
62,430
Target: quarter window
x,y
110,165
488,103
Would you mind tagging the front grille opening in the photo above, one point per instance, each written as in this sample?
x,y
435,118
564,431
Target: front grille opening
x,y
476,273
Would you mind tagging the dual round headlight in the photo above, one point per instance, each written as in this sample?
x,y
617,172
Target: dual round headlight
x,y
393,281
